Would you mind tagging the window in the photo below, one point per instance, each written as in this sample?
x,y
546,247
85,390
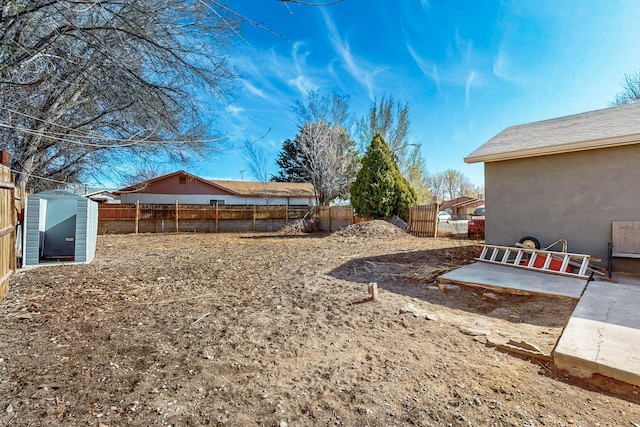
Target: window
x,y
214,202
182,180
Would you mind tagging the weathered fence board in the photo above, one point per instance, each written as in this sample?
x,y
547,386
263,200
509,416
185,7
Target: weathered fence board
x,y
423,220
331,218
7,229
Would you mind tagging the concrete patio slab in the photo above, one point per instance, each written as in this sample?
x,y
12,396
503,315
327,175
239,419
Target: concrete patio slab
x,y
603,334
515,280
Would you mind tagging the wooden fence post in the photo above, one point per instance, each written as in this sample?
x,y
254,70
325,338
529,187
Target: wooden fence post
x,y
410,227
137,214
217,230
7,226
286,214
254,218
435,220
210,219
177,229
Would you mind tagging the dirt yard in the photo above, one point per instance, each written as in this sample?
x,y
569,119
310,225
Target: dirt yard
x,y
277,330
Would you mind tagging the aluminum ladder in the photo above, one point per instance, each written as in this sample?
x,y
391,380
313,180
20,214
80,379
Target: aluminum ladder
x,y
562,263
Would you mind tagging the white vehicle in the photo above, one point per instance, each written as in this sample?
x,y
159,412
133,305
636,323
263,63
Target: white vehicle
x,y
444,216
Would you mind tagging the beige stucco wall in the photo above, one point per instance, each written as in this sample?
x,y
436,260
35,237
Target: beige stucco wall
x,y
573,196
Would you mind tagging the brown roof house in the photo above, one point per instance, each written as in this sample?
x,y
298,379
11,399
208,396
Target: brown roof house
x,y
461,207
565,178
190,189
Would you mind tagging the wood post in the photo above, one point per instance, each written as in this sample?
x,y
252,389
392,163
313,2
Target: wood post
x,y
137,215
410,227
286,214
177,229
373,291
436,221
8,261
254,218
217,230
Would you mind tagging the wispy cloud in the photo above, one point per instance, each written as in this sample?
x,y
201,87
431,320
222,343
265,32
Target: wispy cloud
x,y
272,77
504,69
464,49
234,109
467,87
500,65
342,48
428,68
453,73
425,4
253,90
301,81
458,66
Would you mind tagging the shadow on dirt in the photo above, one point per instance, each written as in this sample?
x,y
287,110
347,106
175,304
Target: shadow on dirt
x,y
285,236
414,274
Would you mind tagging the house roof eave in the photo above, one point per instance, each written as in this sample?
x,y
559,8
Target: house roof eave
x,y
555,149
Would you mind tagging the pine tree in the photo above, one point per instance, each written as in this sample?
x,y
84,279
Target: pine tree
x,y
294,167
380,190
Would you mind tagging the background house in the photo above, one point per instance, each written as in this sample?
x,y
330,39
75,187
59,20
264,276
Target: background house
x,y
102,196
563,178
461,207
190,189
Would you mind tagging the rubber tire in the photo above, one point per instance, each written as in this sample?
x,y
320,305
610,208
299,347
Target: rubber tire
x,y
527,241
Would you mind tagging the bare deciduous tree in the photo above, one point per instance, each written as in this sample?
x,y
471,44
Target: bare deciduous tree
x,y
256,161
317,106
451,184
89,82
391,121
322,153
416,174
630,90
331,159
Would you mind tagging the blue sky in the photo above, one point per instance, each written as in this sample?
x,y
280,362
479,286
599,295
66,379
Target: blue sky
x,y
467,69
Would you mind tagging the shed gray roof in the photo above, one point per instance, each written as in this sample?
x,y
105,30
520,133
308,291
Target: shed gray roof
x,y
595,129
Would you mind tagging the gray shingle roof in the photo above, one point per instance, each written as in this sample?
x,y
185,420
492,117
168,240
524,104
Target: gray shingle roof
x,y
595,129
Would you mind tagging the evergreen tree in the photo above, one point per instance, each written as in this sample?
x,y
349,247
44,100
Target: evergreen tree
x,y
380,190
294,167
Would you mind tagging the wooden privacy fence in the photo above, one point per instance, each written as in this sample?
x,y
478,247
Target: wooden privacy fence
x,y
331,218
423,220
137,218
7,227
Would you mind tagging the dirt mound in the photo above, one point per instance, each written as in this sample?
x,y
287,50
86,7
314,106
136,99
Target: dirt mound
x,y
371,230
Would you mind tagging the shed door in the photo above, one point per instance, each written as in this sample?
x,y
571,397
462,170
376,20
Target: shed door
x,y
60,229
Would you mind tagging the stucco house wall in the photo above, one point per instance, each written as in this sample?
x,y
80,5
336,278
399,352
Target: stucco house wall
x,y
572,196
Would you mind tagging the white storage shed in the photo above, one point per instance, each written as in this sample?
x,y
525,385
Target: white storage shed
x,y
59,226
